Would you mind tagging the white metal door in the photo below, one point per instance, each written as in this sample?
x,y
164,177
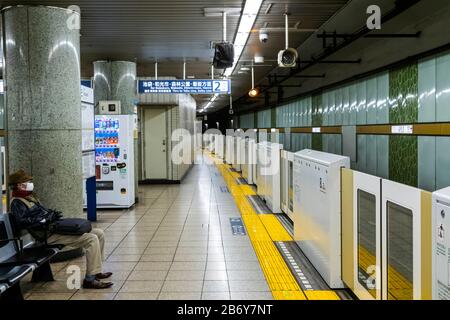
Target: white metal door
x,y
155,143
367,235
284,181
401,241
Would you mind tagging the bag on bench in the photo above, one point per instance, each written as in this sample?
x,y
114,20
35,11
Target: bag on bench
x,y
72,226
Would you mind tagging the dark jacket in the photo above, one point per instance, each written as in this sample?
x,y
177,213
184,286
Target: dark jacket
x,y
29,214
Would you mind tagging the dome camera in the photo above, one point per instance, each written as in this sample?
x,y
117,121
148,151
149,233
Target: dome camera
x,y
263,36
287,58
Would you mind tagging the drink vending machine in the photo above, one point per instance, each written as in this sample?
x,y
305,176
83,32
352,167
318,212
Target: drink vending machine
x,y
114,158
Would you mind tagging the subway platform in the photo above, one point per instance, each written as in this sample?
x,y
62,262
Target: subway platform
x,y
178,243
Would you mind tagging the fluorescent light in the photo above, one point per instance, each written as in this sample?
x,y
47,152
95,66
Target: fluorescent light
x,y
245,69
214,97
248,17
259,59
207,105
252,7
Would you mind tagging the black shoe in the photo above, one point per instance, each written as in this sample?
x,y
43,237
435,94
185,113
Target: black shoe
x,y
100,276
95,284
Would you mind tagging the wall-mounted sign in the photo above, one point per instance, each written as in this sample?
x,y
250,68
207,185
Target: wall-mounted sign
x,y
87,94
185,86
407,129
316,130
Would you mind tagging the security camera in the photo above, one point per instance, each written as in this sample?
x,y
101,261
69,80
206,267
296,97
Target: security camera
x,y
263,36
287,58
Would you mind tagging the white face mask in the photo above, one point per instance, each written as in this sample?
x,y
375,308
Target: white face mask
x,y
28,186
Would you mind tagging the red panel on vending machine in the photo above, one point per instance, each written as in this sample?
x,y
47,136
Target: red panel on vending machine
x,y
98,172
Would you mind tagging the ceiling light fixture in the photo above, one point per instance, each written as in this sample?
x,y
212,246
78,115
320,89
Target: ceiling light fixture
x,y
214,97
259,59
248,17
254,92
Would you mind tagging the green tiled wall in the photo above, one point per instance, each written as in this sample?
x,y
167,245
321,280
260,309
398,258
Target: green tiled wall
x,y
273,117
317,142
264,118
317,110
403,90
403,159
419,92
403,108
2,112
246,121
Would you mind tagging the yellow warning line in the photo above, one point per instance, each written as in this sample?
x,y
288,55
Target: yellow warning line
x,y
321,295
263,230
275,228
279,278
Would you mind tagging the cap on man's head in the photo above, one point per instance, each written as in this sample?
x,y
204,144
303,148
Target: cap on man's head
x,y
19,177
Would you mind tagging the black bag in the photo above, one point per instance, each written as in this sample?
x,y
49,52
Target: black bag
x,y
72,226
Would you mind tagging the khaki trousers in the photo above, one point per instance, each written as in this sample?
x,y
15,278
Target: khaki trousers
x,y
93,244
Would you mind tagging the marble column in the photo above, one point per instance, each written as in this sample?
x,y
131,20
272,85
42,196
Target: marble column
x,y
116,80
43,111
102,81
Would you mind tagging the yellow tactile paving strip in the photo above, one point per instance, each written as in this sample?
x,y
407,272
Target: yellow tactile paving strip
x,y
263,230
322,295
275,228
247,190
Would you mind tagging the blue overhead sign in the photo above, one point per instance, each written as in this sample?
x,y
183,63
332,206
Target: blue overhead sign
x,y
185,86
86,83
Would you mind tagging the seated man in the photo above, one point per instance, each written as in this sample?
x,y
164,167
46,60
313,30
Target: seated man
x,y
28,212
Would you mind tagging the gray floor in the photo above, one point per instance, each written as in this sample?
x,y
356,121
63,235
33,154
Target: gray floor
x,y
175,244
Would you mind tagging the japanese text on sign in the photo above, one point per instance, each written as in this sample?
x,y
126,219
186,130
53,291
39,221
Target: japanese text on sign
x,y
185,86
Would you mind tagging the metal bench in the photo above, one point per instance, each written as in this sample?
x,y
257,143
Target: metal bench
x,y
10,282
16,261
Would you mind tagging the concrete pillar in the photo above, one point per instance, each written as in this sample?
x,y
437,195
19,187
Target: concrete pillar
x,y
116,80
43,111
102,81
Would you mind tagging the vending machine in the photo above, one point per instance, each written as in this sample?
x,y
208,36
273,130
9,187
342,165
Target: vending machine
x,y
114,158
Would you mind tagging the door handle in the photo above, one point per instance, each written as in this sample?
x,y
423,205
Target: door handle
x,y
164,142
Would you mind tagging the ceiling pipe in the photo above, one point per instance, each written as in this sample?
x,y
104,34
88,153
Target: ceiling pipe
x,y
403,6
224,26
253,78
355,36
286,32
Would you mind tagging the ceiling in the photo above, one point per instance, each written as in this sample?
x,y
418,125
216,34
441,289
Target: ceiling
x,y
174,31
